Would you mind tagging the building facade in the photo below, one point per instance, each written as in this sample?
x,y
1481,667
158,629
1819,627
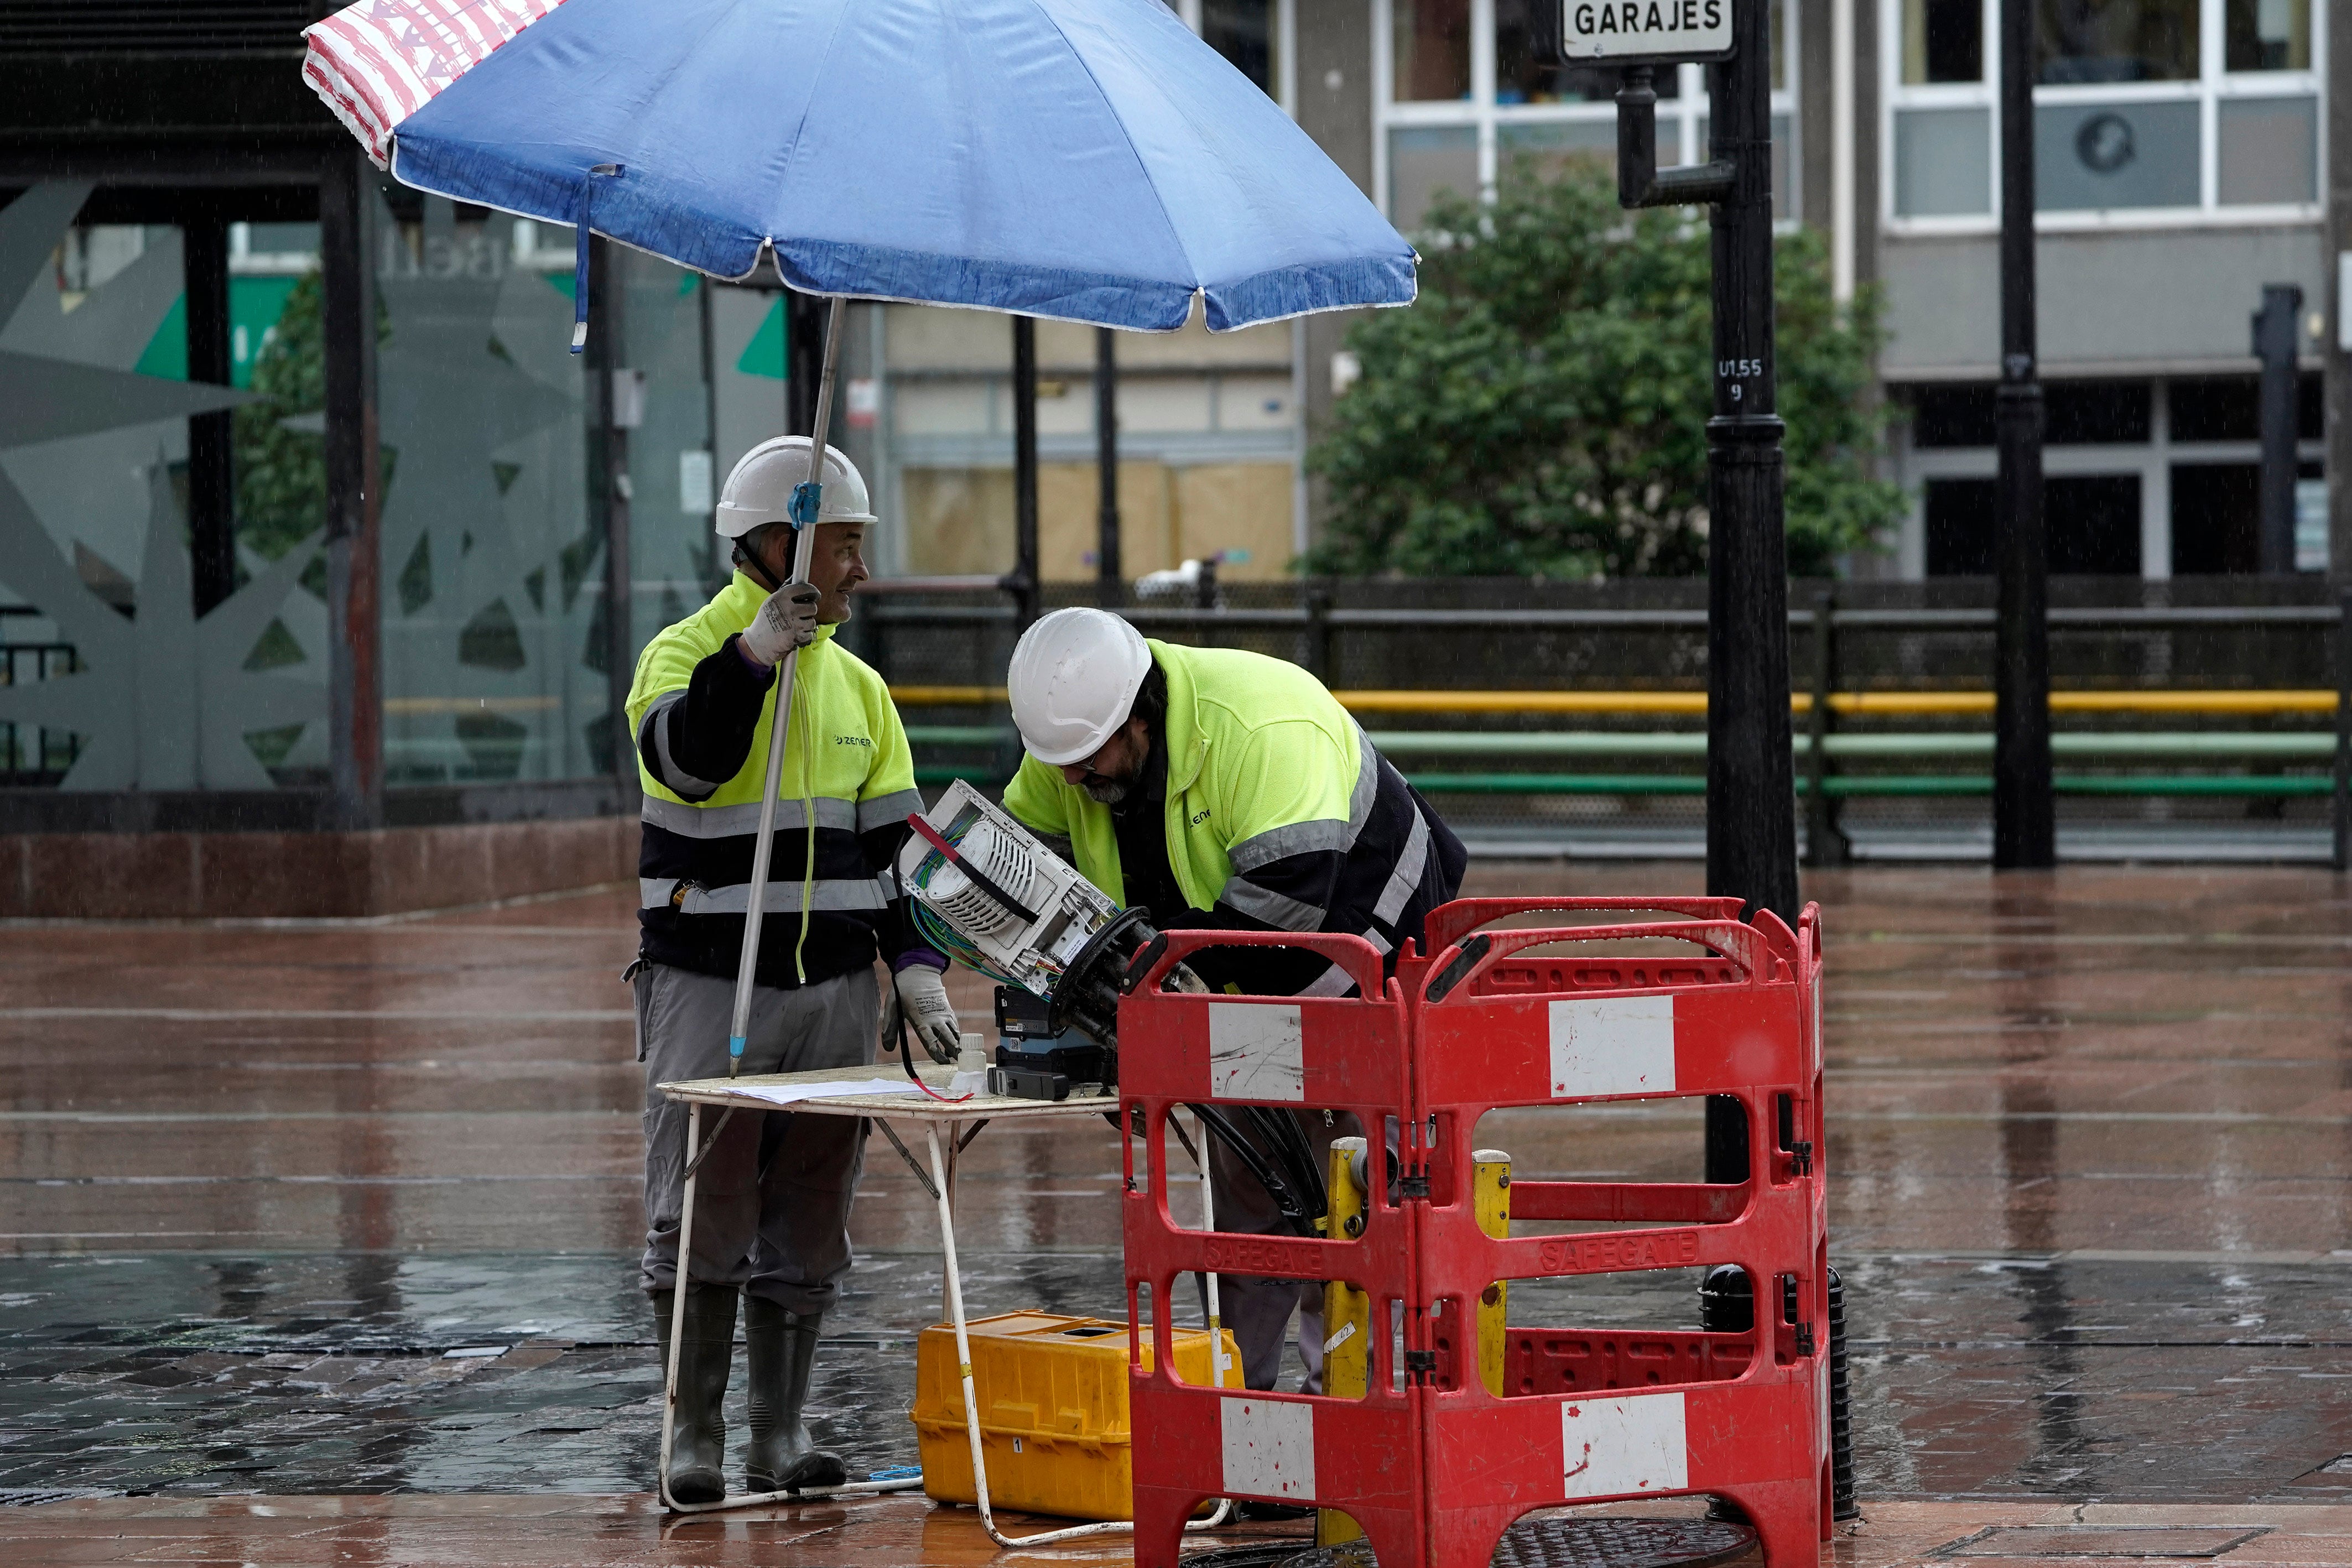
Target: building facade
x,y
2188,153
2184,156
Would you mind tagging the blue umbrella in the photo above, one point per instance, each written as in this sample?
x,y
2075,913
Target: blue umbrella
x,y
1088,159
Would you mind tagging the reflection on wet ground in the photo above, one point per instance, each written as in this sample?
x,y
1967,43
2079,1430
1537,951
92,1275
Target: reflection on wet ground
x,y
189,1373
1975,1377
2091,1156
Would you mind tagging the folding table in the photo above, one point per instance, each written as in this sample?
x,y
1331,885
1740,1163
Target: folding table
x,y
934,1116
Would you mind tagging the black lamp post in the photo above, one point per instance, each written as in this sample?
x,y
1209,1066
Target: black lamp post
x,y
1751,830
2024,820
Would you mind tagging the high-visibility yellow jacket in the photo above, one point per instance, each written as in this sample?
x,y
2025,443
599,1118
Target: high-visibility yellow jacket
x,y
1278,812
701,714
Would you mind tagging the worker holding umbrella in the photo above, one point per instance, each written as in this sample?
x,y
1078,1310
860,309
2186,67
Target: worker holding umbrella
x,y
775,1189
1088,161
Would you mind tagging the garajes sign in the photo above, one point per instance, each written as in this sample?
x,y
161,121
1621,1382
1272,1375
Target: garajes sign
x,y
1634,32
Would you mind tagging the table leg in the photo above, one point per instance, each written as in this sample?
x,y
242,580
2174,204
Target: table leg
x,y
950,1301
1209,1278
1217,1362
677,1307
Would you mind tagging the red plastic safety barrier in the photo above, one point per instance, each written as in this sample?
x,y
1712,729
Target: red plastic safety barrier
x,y
1591,1414
1194,1443
1432,1466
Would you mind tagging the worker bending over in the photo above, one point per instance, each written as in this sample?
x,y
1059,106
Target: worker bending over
x,y
1225,789
773,1195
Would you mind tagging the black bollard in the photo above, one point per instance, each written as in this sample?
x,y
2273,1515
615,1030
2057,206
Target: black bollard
x,y
1726,1304
1841,1503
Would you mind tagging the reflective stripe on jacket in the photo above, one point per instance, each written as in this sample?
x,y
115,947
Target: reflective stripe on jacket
x,y
1280,815
701,715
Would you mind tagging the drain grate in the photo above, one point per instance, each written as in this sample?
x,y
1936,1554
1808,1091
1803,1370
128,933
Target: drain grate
x,y
1554,1542
2173,1541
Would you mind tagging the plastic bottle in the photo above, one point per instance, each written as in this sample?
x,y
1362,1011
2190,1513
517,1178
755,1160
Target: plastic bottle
x,y
972,1068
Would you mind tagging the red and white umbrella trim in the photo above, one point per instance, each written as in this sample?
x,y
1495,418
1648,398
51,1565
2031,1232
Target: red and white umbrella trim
x,y
377,62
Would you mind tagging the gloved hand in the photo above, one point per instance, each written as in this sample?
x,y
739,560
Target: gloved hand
x,y
786,621
924,995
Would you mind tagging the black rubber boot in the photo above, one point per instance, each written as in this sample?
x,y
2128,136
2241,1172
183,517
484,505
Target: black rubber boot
x,y
782,1345
698,1436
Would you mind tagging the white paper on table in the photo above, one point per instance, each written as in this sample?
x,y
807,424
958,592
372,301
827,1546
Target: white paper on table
x,y
789,1094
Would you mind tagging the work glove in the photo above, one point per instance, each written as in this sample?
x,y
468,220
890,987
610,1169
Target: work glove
x,y
786,621
924,995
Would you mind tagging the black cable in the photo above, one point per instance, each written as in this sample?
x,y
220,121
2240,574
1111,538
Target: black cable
x,y
1177,1128
1285,1201
1304,1152
1288,1149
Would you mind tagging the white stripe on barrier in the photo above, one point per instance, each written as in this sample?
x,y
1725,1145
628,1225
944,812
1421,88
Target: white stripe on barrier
x,y
1256,1051
1622,1045
1631,1443
1269,1448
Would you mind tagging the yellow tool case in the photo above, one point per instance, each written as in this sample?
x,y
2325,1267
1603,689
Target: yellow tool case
x,y
1052,1392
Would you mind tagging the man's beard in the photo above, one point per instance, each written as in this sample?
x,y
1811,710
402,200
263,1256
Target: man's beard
x,y
1104,792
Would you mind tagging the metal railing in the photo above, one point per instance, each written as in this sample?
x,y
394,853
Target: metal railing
x,y
1833,767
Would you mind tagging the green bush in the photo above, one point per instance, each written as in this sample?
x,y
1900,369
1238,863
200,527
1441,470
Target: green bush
x,y
1540,411
281,475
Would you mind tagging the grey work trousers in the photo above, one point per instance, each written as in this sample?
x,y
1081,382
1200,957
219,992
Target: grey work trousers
x,y
772,1202
1258,1309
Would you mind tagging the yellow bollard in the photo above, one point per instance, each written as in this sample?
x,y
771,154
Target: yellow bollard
x,y
1346,1316
1490,1185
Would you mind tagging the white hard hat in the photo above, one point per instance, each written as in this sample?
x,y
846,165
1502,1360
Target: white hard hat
x,y
761,487
1073,682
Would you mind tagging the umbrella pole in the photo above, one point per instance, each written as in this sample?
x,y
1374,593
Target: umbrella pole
x,y
803,546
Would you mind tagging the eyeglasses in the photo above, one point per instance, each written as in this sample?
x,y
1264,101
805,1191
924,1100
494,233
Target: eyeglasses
x,y
1088,762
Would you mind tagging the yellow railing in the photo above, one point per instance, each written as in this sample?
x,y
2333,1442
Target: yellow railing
x,y
1890,705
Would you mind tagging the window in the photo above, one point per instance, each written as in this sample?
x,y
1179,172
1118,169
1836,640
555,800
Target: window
x,y
1249,33
2116,40
1256,37
1960,527
2268,35
2144,111
1518,79
2228,408
2216,518
1943,40
2095,414
1463,104
2092,524
1430,46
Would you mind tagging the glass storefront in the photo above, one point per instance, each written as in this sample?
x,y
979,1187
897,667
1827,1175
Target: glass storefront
x,y
492,570
495,662
110,678
494,648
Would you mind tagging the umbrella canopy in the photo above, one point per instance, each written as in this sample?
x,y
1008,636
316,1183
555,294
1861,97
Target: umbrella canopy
x,y
1088,159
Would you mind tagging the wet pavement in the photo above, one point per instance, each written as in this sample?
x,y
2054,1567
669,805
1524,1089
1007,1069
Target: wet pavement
x,y
305,1210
